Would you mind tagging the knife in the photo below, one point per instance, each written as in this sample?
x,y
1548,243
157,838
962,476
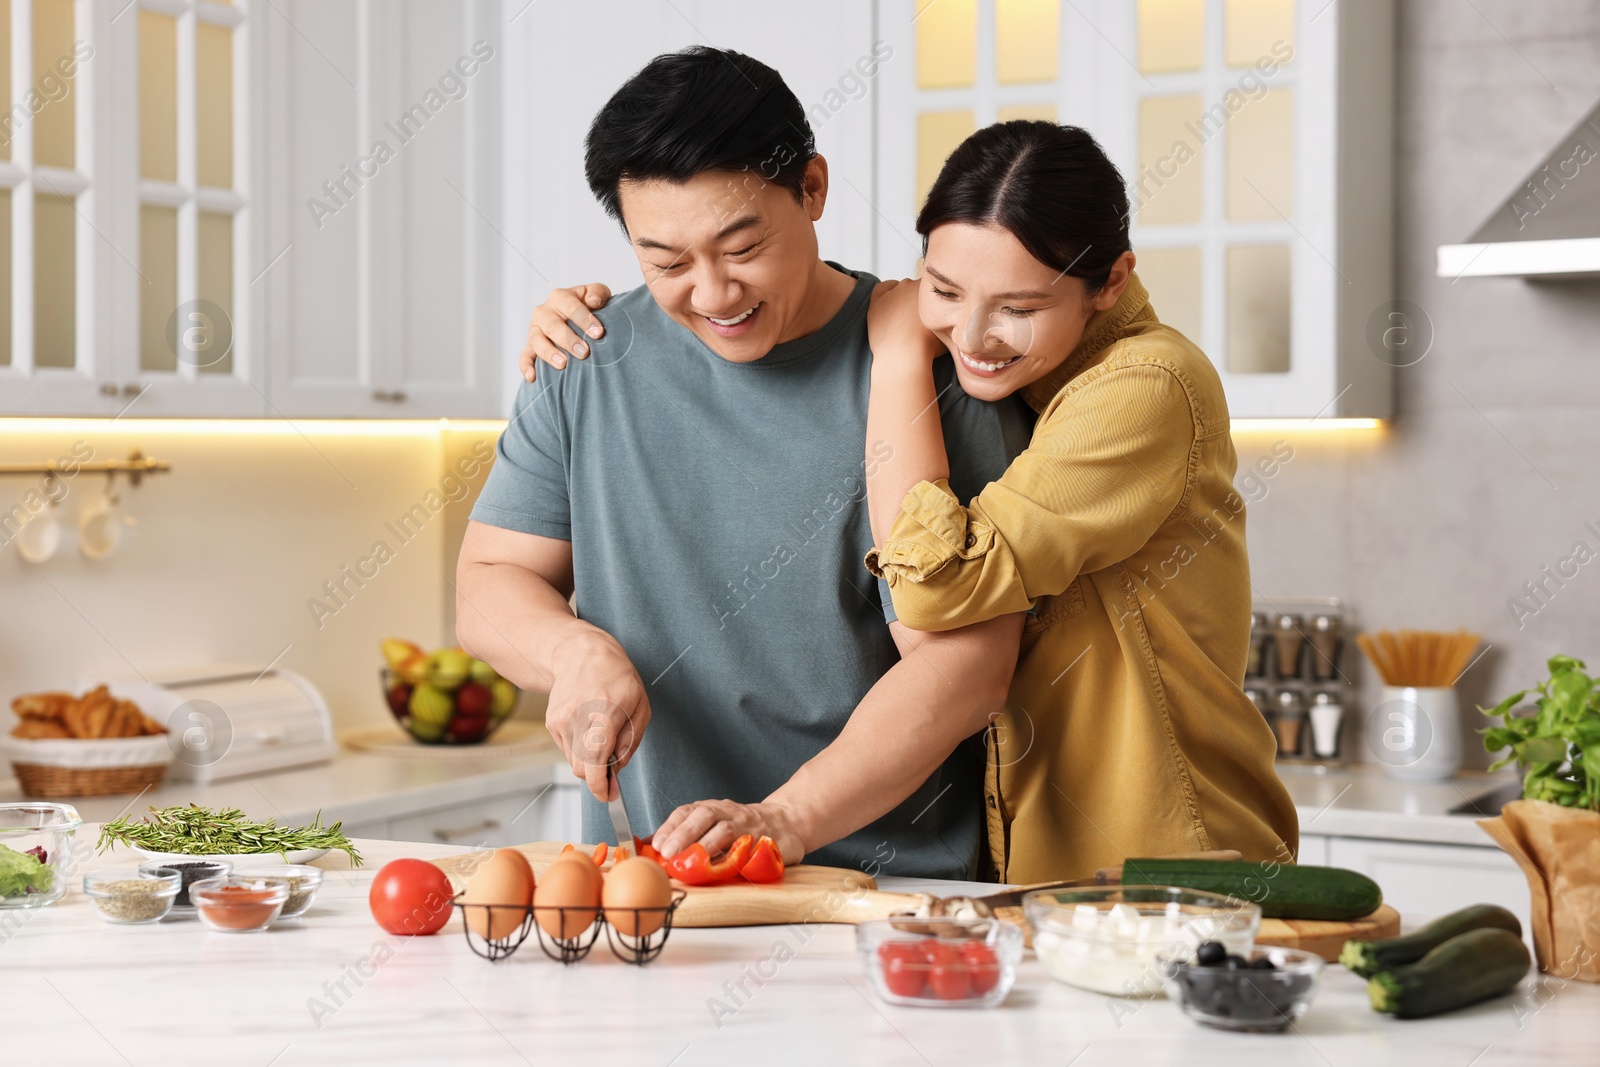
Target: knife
x,y
619,814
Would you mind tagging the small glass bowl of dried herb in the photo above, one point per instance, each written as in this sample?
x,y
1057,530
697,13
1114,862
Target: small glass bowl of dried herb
x,y
131,897
190,872
239,905
303,882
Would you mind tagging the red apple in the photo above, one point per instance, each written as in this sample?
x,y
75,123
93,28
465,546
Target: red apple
x,y
474,699
399,699
469,727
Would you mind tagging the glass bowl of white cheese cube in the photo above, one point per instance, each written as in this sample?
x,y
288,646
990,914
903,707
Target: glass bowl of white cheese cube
x,y
1113,939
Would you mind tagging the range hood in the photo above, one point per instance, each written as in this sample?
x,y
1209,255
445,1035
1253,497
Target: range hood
x,y
1549,229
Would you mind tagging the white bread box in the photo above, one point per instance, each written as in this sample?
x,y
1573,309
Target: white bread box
x,y
230,721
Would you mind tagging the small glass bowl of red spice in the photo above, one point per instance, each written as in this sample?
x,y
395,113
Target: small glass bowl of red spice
x,y
302,880
940,962
239,905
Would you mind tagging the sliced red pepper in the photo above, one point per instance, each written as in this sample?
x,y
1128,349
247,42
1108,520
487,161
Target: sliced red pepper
x,y
568,847
599,856
646,849
765,863
694,866
620,853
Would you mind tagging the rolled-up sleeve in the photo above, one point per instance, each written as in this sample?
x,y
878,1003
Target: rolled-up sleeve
x,y
1105,468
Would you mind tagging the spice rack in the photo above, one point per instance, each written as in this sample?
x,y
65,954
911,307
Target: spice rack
x,y
1295,674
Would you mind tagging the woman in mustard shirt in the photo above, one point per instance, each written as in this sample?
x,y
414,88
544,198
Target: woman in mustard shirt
x,y
1127,733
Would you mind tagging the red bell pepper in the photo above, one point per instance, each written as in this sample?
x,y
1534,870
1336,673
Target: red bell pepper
x,y
599,856
765,863
694,866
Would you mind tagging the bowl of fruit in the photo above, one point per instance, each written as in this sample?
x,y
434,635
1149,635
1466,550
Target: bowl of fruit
x,y
444,697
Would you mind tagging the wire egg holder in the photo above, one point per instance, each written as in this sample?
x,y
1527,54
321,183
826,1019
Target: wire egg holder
x,y
629,948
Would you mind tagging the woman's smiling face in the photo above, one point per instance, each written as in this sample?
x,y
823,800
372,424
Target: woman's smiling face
x,y
1008,319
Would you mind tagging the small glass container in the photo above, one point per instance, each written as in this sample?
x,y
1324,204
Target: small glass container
x,y
131,898
1260,636
239,905
940,962
1325,646
1112,939
190,872
303,882
1287,640
1264,989
43,832
1289,721
1327,715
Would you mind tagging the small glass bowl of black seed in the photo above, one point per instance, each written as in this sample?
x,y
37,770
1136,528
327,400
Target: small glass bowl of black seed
x,y
1266,990
190,871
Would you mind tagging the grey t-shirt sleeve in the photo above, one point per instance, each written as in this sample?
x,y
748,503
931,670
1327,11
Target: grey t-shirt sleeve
x,y
527,489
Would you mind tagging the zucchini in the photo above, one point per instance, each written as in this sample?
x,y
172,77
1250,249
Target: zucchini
x,y
1284,891
1367,958
1469,967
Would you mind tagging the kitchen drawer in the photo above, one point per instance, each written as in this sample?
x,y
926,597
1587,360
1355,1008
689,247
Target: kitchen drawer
x,y
1426,881
492,822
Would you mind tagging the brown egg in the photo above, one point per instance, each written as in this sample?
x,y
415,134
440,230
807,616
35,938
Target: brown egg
x,y
504,878
571,882
636,883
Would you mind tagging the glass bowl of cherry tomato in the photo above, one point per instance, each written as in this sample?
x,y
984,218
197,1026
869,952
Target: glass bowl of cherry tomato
x,y
941,963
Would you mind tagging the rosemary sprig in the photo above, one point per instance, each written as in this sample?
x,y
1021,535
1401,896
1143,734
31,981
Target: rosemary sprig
x,y
194,830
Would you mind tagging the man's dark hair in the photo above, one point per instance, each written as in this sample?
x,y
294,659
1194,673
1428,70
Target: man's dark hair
x,y
1052,186
701,109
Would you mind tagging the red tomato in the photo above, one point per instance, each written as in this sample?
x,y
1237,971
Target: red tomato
x,y
905,950
905,977
981,962
950,981
936,951
410,897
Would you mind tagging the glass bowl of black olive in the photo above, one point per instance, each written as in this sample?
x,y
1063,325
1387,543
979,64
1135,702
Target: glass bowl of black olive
x,y
1266,990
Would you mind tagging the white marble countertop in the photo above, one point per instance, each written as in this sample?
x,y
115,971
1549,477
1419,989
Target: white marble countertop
x,y
354,787
1360,800
76,990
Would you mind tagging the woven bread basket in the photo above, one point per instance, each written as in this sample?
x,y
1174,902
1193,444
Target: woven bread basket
x,y
73,767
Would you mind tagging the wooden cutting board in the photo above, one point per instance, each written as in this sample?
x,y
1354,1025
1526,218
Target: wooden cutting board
x,y
808,893
1323,937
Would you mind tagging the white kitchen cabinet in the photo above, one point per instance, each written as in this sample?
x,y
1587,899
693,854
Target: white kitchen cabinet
x,y
556,232
1313,850
1256,141
1425,881
383,179
548,813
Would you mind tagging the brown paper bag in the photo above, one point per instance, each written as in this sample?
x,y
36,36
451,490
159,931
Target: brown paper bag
x,y
1559,850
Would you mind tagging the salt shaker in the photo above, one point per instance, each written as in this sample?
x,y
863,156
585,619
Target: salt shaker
x,y
1327,714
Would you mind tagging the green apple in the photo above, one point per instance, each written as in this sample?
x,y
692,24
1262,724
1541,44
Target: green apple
x,y
505,698
448,668
431,706
482,673
427,731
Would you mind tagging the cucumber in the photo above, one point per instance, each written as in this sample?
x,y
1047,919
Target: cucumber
x,y
1469,967
1367,958
1284,891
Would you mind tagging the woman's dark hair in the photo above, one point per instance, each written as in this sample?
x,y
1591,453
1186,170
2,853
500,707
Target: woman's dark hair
x,y
698,110
1052,186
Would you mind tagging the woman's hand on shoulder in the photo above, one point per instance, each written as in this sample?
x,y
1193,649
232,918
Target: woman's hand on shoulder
x,y
550,339
894,329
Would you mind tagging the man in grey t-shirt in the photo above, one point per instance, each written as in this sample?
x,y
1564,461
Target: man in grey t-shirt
x,y
699,482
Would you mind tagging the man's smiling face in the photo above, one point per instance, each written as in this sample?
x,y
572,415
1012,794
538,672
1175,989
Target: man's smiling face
x,y
728,255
